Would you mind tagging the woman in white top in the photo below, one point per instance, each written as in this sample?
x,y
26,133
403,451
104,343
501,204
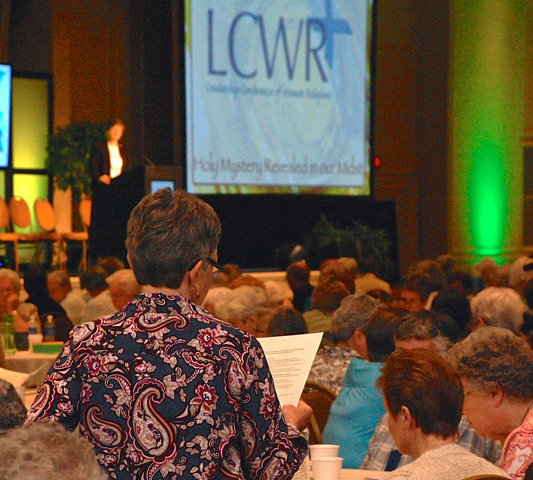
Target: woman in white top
x,y
108,161
424,399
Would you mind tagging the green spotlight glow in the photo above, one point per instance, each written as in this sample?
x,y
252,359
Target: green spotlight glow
x,y
487,117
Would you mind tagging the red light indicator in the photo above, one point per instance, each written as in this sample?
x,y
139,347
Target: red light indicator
x,y
377,162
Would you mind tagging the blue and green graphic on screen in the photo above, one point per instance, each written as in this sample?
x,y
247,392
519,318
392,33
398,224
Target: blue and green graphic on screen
x,y
278,96
5,113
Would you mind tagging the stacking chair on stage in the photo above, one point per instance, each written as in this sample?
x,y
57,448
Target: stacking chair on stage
x,y
83,237
319,398
46,219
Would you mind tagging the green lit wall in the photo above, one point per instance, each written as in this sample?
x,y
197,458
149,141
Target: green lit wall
x,y
30,122
486,124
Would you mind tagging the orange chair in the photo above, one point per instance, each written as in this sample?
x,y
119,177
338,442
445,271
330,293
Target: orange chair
x,y
83,237
46,219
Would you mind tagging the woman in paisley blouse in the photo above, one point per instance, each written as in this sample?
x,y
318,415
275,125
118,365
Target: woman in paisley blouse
x,y
162,388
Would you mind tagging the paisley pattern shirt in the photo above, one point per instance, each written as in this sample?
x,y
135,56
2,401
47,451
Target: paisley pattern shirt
x,y
164,390
517,453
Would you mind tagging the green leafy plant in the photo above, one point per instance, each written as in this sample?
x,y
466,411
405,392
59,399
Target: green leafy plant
x,y
357,240
69,153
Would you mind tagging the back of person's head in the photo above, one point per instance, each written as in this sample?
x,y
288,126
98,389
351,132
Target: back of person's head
x,y
298,274
238,309
328,296
350,266
462,281
286,321
58,285
426,329
12,276
518,277
111,264
425,384
35,280
430,273
446,263
93,279
380,332
332,270
277,292
455,304
167,233
47,451
354,312
248,280
494,358
216,295
498,307
122,286
232,270
528,294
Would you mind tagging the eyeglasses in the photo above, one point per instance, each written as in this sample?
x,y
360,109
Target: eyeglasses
x,y
217,266
7,291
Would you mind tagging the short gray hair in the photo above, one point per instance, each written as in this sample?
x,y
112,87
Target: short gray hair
x,y
13,276
242,303
492,358
517,275
125,278
47,450
498,307
354,312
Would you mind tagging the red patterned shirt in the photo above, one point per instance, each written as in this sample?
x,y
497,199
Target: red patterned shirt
x,y
517,453
164,390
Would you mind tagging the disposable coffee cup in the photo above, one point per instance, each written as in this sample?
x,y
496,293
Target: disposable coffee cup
x,y
326,468
321,450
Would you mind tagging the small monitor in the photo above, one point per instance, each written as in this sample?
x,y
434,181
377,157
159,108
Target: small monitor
x,y
5,113
159,184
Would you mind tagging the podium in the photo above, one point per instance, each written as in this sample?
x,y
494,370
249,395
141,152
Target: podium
x,y
113,204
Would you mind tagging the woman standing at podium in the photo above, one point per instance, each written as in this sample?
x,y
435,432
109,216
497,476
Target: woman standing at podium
x,y
109,160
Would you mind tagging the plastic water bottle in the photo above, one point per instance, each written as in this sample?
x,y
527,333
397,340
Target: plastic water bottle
x,y
50,329
8,333
34,329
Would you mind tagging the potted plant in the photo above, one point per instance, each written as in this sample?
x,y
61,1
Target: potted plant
x,y
69,153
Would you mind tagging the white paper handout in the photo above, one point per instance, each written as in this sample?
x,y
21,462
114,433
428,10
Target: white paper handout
x,y
290,358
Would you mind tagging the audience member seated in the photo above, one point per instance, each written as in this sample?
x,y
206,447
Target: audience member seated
x,y
46,451
286,321
248,280
455,304
327,298
462,282
123,287
232,271
424,399
12,410
262,316
10,293
347,328
35,283
356,411
498,307
496,370
60,290
279,294
333,270
111,264
518,277
490,275
424,330
100,303
216,295
298,275
238,310
368,280
417,294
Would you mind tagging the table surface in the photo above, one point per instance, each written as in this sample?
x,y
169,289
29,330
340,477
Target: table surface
x,y
37,364
348,474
